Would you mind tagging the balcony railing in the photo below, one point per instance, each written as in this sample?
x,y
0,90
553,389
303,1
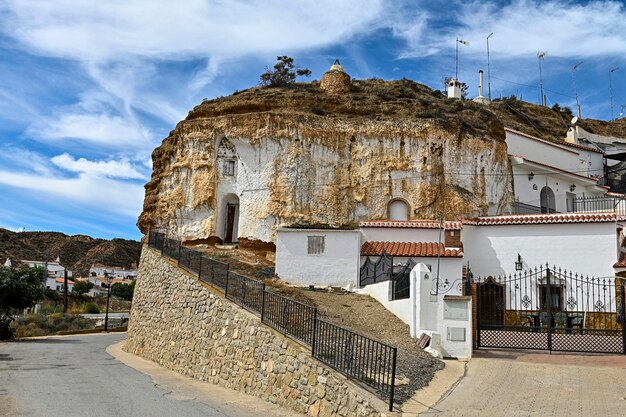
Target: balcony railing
x,y
599,204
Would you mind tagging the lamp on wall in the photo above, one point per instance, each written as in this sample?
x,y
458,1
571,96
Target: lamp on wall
x,y
572,187
531,176
519,265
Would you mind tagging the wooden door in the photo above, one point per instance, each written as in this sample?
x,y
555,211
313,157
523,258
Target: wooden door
x,y
231,211
491,304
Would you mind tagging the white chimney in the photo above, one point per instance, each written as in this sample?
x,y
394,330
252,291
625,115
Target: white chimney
x,y
480,99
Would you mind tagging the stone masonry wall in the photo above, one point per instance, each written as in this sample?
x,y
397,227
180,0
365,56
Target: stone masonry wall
x,y
179,323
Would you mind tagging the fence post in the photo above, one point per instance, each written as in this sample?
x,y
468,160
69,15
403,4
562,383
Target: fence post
x,y
549,308
200,268
313,336
478,315
179,242
393,378
226,287
263,304
623,305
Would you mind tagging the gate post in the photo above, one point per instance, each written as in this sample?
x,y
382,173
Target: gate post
x,y
549,308
477,315
623,308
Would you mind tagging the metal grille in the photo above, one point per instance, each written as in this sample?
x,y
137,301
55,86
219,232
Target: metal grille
x,y
402,281
359,357
549,308
372,272
171,248
315,245
288,316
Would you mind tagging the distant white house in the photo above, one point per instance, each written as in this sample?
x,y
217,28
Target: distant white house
x,y
55,269
58,284
99,270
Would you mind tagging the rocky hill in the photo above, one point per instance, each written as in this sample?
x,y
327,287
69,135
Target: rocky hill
x,y
76,252
308,157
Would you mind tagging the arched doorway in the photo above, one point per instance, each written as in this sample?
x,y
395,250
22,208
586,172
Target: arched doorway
x,y
398,210
548,203
230,210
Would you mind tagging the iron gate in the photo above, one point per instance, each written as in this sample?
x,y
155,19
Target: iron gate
x,y
550,309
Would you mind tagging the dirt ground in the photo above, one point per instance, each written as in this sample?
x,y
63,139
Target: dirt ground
x,y
359,313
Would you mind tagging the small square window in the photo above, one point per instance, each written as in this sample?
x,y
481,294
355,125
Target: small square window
x,y
229,168
315,245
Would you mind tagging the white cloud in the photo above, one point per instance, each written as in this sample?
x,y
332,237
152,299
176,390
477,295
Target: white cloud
x,y
100,128
111,168
116,30
523,27
99,193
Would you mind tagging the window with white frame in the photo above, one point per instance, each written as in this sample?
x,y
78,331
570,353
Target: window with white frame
x,y
229,168
315,245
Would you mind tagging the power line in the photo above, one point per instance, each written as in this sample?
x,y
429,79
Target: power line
x,y
533,87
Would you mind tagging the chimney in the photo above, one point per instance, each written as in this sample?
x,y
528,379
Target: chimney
x,y
480,98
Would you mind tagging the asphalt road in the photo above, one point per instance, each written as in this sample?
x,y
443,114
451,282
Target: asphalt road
x,y
74,376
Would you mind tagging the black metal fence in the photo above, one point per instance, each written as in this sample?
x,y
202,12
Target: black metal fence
x,y
288,316
599,204
366,360
359,357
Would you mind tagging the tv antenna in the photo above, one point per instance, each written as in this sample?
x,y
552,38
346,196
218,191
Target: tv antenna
x,y
541,56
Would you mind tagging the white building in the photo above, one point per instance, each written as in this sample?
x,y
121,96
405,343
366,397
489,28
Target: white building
x,y
55,269
553,177
99,270
58,284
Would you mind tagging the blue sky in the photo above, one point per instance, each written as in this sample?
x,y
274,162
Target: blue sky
x,y
89,89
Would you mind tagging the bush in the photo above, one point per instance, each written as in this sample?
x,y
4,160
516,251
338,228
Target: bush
x,y
123,291
40,325
91,308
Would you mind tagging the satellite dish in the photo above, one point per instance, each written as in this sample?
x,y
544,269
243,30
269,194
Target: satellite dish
x,y
574,120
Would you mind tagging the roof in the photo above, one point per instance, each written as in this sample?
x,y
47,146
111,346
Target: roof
x,y
576,145
526,135
417,249
413,224
560,170
62,280
543,219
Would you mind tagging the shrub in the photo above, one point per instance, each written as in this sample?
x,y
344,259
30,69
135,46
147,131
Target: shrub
x,y
91,308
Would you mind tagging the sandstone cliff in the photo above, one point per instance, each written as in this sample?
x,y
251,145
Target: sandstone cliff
x,y
308,158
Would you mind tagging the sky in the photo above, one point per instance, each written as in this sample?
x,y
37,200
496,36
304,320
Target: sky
x,y
88,89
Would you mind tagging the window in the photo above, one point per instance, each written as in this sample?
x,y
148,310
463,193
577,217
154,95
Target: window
x,y
315,245
229,168
398,210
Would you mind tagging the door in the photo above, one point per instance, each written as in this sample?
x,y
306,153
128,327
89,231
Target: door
x,y
491,304
231,215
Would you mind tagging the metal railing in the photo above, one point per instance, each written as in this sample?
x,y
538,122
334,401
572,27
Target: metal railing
x,y
359,357
246,292
289,316
366,360
599,204
523,208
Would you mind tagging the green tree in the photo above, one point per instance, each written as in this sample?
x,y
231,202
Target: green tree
x,y
123,291
284,73
19,288
82,287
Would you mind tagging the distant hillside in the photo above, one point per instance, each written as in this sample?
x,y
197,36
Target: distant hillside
x,y
76,252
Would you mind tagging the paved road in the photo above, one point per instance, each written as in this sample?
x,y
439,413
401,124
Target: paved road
x,y
74,376
523,384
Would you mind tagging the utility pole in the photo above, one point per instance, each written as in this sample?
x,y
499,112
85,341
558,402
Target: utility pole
x,y
65,289
611,71
488,69
106,316
541,56
575,89
458,41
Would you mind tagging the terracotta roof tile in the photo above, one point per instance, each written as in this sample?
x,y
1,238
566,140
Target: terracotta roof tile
x,y
417,249
544,219
576,145
413,224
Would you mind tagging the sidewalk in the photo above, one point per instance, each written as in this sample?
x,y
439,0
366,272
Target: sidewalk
x,y
523,384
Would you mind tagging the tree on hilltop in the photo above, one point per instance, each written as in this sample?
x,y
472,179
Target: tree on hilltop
x,y
284,73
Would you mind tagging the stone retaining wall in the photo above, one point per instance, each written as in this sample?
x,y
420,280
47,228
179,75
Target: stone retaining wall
x,y
178,322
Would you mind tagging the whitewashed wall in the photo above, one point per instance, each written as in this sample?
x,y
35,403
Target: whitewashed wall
x,y
337,266
559,156
381,292
525,193
584,248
